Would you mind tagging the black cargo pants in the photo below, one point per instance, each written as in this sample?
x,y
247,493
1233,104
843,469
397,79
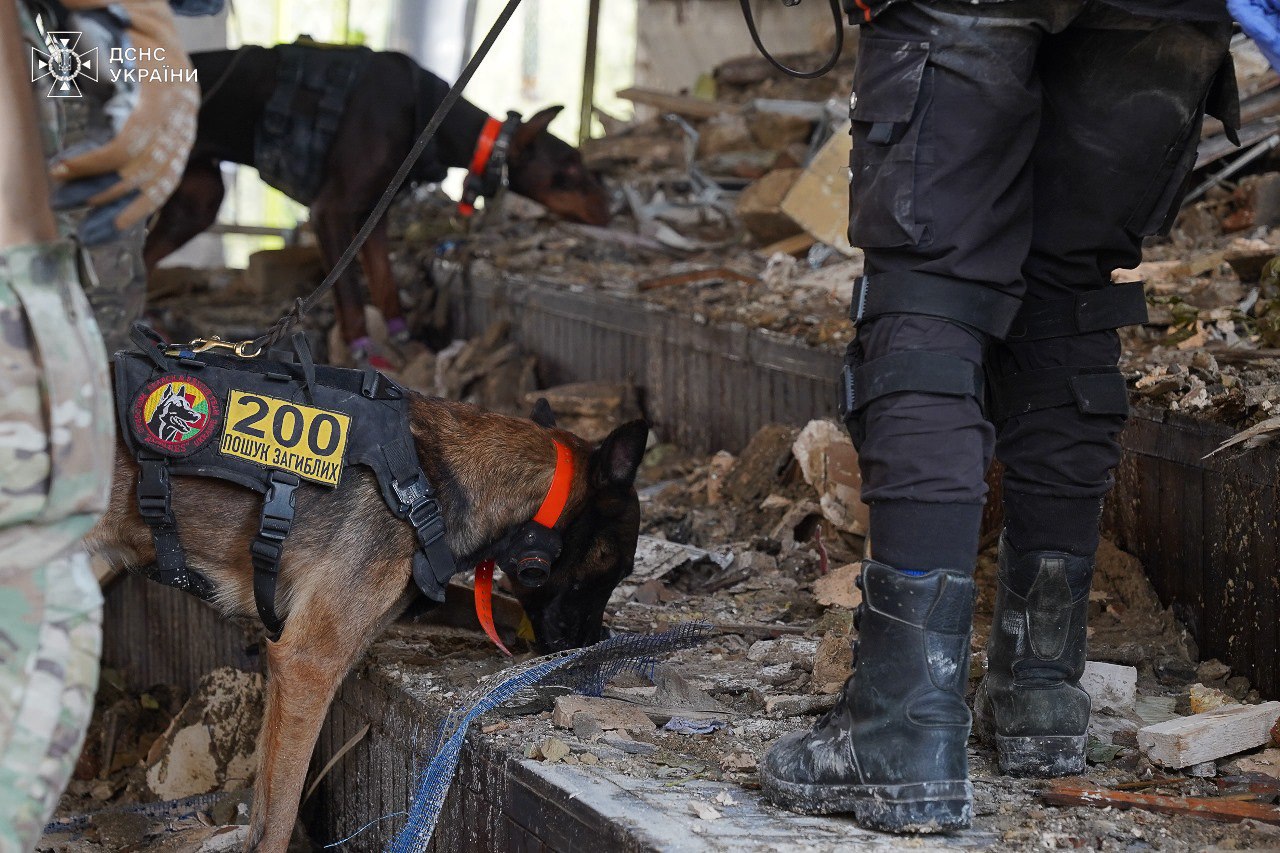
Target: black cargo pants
x,y
1006,158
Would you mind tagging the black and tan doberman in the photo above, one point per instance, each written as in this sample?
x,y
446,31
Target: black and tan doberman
x,y
329,126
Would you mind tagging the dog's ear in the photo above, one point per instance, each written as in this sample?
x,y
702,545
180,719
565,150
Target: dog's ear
x,y
617,459
530,128
542,414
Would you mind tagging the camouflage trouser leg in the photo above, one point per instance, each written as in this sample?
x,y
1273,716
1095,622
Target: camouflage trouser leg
x,y
56,451
50,639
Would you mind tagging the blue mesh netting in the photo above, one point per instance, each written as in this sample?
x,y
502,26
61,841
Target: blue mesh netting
x,y
582,670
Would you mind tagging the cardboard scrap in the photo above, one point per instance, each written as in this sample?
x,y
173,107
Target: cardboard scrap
x,y
818,201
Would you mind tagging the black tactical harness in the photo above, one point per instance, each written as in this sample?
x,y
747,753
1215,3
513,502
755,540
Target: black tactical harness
x,y
300,120
199,413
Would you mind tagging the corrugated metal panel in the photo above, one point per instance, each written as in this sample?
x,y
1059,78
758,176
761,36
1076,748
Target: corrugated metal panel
x,y
705,387
154,634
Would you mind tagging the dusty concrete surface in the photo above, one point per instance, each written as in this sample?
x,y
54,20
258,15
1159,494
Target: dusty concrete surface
x,y
754,567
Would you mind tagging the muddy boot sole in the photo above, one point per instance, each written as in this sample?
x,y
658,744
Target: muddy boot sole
x,y
1042,757
924,807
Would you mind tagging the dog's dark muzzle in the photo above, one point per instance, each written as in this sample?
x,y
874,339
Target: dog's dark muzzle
x,y
532,553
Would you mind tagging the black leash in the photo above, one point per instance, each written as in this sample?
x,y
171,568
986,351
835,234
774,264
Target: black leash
x,y
794,72
302,305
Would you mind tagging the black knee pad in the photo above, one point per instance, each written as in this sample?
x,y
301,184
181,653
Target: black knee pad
x,y
982,311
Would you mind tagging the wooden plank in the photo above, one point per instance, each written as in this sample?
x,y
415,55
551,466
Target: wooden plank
x,y
793,245
1214,734
679,104
1066,793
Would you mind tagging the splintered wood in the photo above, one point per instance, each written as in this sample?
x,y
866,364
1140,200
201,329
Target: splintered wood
x,y
1203,737
1071,793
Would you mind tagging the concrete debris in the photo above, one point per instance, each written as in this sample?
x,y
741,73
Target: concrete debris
x,y
620,740
550,750
586,728
798,706
837,588
706,811
1266,762
1110,686
1209,699
1213,734
1203,770
796,651
683,726
609,714
210,745
1212,670
738,762
830,464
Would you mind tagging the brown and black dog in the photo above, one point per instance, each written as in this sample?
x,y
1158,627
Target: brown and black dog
x,y
346,570
390,100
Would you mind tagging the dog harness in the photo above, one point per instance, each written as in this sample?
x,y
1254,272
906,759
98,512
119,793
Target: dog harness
x,y
271,423
488,171
300,120
268,425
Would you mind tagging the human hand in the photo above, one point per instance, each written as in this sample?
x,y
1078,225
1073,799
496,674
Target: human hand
x,y
153,110
1260,19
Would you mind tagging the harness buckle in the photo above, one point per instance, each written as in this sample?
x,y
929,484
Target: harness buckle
x,y
859,303
243,349
848,395
420,508
277,507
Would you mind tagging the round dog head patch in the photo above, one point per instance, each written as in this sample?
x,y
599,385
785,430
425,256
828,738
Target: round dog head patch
x,y
175,415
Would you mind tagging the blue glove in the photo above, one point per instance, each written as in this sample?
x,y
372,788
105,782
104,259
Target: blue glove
x,y
1260,19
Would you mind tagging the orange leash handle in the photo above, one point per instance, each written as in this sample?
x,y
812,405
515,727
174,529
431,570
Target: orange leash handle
x,y
484,604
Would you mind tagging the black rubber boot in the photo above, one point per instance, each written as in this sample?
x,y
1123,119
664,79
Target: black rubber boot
x,y
892,751
1030,702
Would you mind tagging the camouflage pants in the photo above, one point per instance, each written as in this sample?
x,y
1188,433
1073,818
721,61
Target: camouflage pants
x,y
56,451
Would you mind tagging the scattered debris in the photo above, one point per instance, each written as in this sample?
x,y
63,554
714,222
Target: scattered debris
x,y
682,726
1213,734
830,464
837,588
1205,699
609,714
1111,687
550,750
1068,793
210,745
706,811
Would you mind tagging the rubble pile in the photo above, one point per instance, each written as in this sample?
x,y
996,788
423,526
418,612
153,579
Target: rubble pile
x,y
749,545
764,546
161,773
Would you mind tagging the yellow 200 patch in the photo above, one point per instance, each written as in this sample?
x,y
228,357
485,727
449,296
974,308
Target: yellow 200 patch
x,y
275,433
